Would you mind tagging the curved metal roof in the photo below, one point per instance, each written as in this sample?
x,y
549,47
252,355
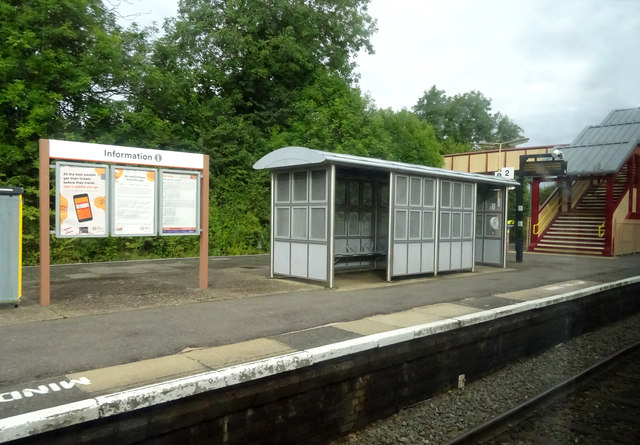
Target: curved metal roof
x,y
603,149
291,157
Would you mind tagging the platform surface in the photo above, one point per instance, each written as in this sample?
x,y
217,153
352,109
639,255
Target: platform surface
x,y
116,326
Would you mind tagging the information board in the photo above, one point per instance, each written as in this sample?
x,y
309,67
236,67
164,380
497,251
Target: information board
x,y
179,203
81,200
133,200
543,168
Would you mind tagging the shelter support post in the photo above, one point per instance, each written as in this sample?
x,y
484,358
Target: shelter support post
x,y
331,241
519,217
272,240
390,236
45,260
505,225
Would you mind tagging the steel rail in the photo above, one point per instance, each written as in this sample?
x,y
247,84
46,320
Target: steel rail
x,y
521,412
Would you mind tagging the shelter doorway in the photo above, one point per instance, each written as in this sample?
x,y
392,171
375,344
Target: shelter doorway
x,y
490,224
361,220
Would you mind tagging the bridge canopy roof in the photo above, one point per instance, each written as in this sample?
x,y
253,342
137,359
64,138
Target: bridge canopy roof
x,y
300,157
603,149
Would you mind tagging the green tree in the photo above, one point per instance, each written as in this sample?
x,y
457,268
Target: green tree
x,y
330,115
464,120
410,139
255,74
258,55
505,129
64,68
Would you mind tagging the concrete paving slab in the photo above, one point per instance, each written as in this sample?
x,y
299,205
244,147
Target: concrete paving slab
x,y
313,338
145,372
446,310
548,290
484,303
365,326
243,352
405,319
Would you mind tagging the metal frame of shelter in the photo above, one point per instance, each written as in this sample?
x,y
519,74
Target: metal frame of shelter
x,y
333,211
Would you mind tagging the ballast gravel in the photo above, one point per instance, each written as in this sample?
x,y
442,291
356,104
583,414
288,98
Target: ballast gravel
x,y
442,418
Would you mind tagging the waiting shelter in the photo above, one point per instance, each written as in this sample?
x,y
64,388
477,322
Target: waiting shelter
x,y
332,212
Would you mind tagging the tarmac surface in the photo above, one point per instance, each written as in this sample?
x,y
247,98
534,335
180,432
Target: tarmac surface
x,y
104,316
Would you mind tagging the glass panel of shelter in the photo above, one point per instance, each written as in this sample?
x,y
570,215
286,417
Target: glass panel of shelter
x,y
301,206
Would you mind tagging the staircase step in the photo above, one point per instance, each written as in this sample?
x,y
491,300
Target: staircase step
x,y
573,244
568,247
577,237
574,217
579,214
592,214
567,225
577,225
569,251
577,218
580,234
576,232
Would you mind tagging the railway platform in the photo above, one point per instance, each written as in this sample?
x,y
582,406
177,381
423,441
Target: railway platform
x,y
125,327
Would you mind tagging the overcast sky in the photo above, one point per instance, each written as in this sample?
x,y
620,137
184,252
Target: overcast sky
x,y
552,66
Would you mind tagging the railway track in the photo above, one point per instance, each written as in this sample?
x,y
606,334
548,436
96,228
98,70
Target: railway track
x,y
601,405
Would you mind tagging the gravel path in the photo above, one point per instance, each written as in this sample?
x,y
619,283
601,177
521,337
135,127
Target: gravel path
x,y
442,418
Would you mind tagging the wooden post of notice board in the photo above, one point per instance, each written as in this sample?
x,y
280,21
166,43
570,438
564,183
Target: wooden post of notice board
x,y
45,260
204,225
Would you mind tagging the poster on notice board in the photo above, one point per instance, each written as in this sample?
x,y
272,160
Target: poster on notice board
x,y
179,203
81,200
134,202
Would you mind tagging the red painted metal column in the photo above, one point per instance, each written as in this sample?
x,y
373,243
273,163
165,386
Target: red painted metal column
x,y
637,170
535,209
630,175
609,206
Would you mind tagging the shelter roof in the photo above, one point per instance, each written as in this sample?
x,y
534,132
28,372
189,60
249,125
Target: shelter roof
x,y
298,157
603,149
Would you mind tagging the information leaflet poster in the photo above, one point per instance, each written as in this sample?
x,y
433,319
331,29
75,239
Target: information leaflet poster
x,y
134,202
179,203
82,209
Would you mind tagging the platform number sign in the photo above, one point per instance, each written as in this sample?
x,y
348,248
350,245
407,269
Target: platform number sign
x,y
506,172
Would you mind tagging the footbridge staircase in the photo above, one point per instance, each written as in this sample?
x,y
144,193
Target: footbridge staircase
x,y
595,209
580,229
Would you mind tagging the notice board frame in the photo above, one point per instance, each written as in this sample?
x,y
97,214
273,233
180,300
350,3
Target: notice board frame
x,y
110,154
